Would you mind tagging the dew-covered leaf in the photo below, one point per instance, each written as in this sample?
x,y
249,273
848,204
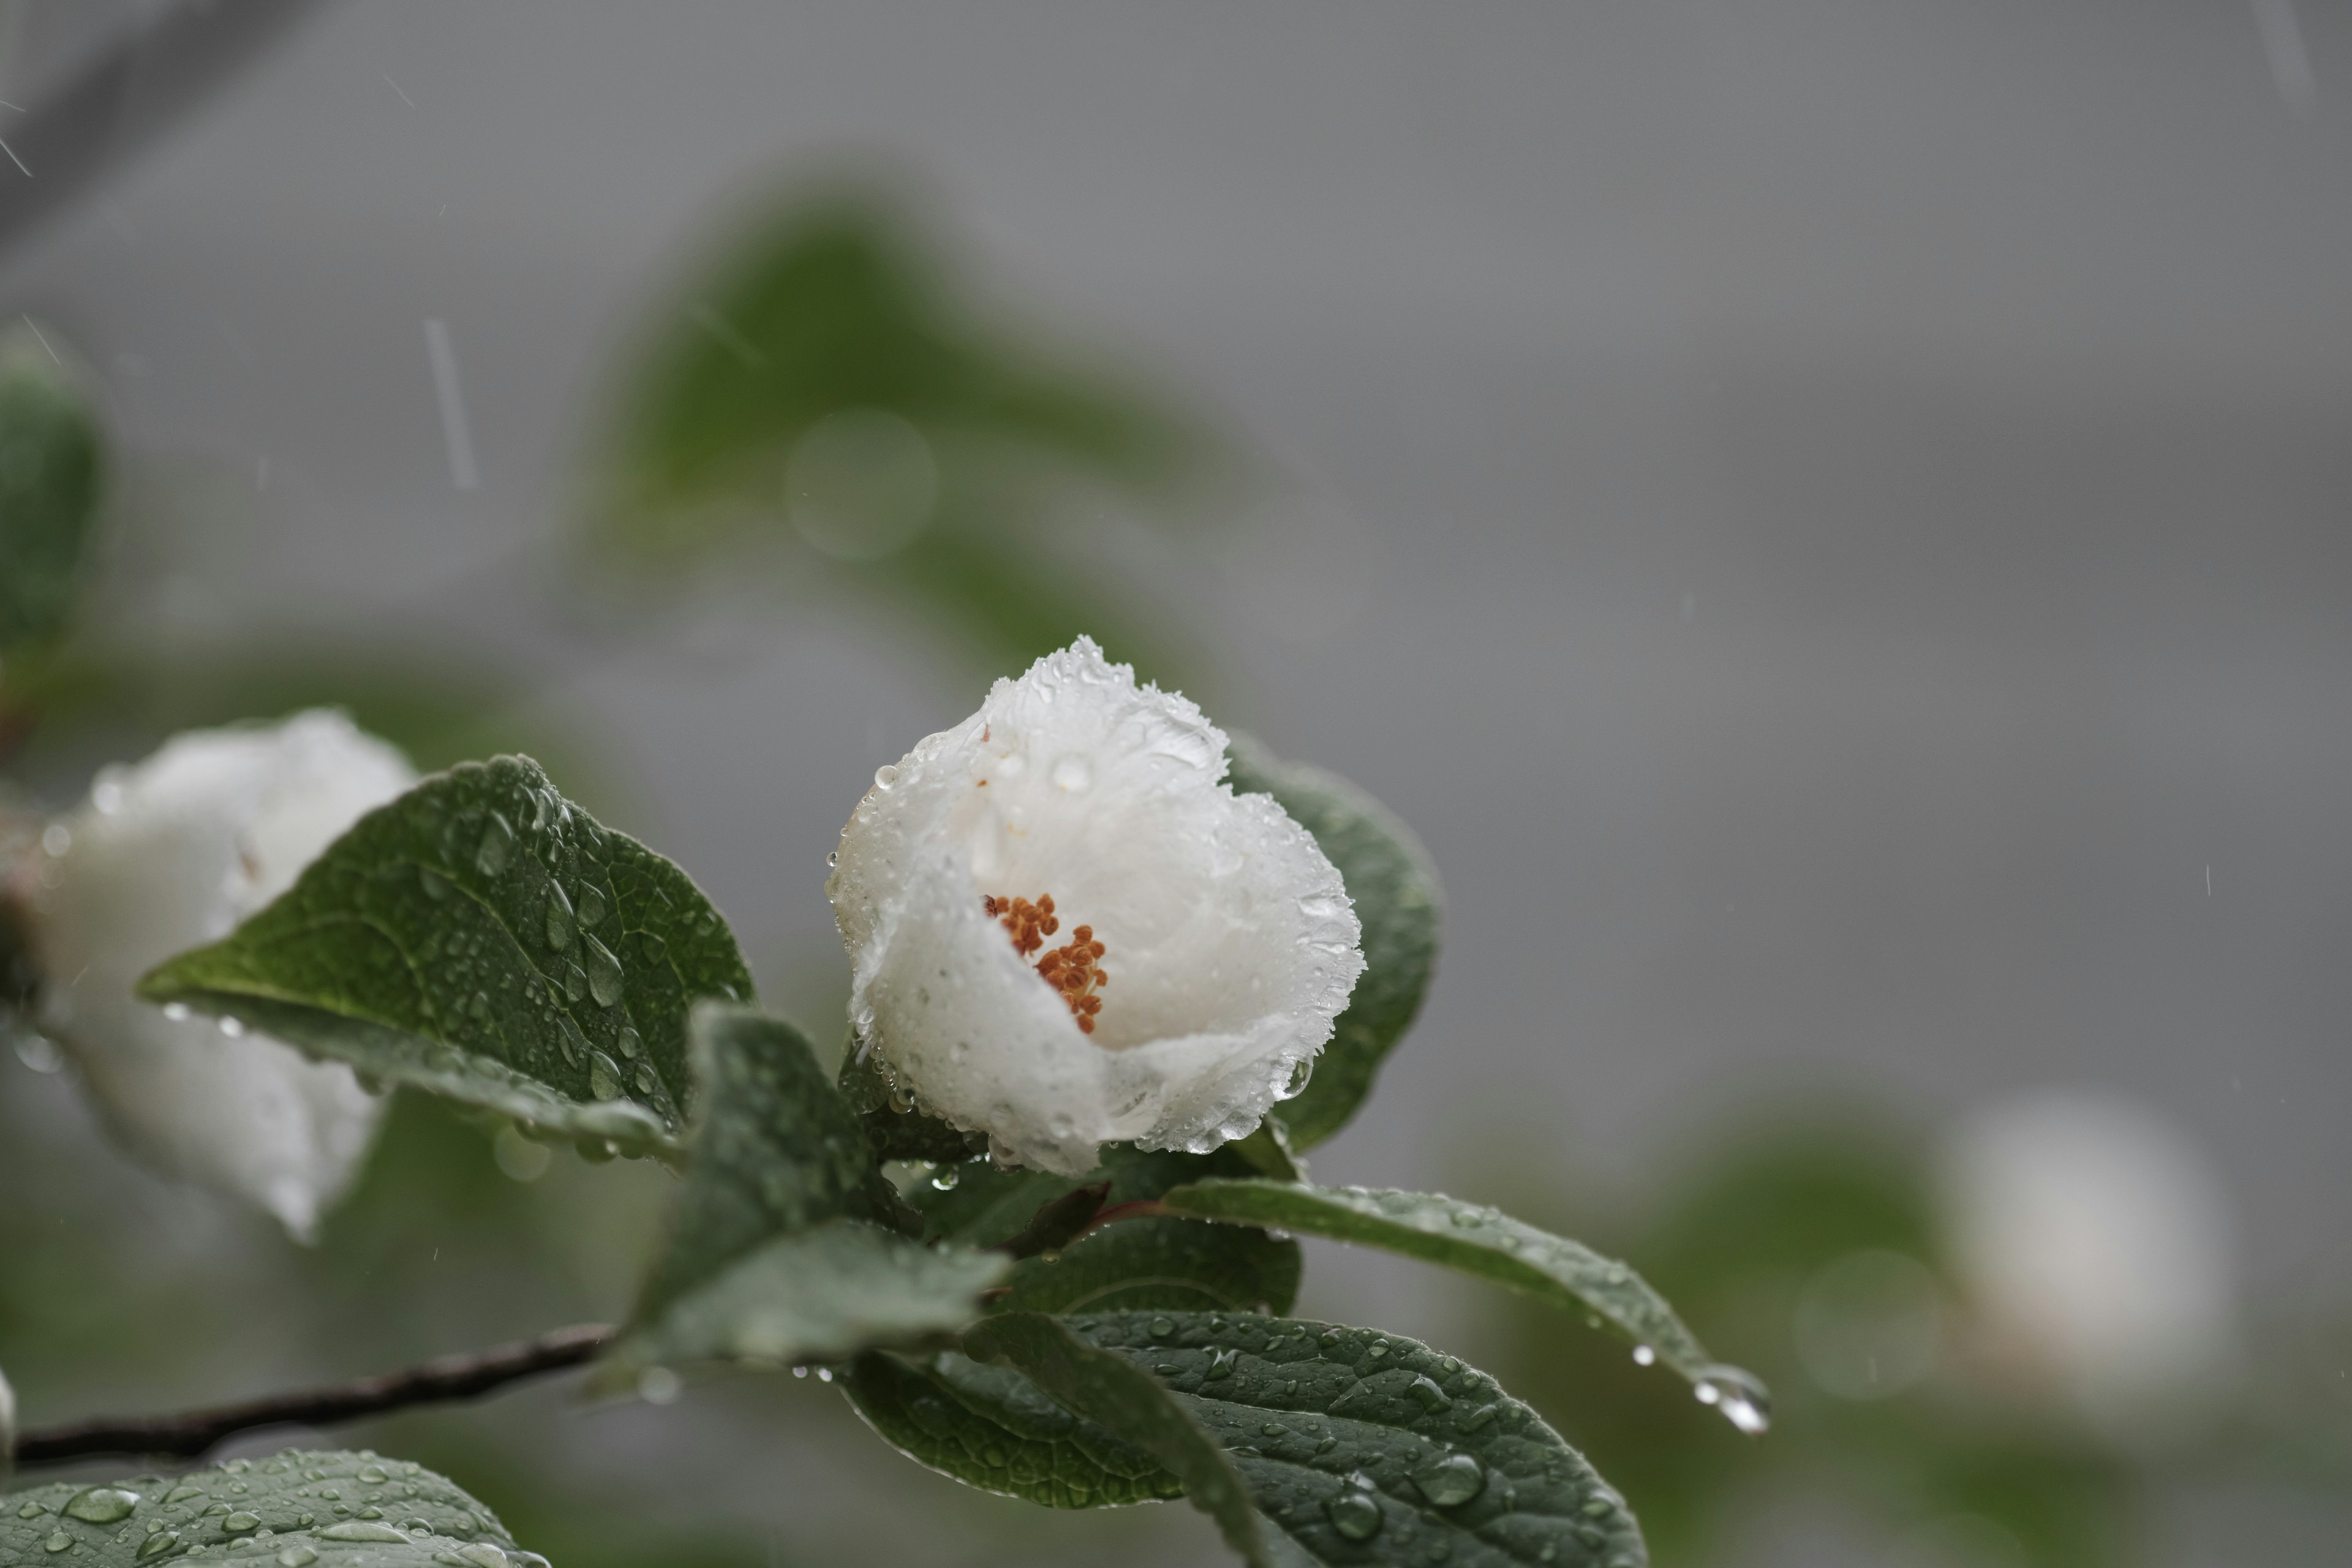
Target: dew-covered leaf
x,y
783,1246
1128,1401
292,1509
51,462
989,1426
1181,1265
1394,886
1481,1241
483,938
1367,1447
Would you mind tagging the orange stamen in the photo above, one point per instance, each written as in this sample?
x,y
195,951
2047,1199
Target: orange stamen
x,y
1070,970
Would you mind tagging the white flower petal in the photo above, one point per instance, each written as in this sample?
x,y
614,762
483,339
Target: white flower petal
x,y
1230,945
166,855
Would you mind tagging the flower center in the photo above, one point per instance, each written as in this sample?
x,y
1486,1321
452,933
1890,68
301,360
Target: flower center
x,y
1070,970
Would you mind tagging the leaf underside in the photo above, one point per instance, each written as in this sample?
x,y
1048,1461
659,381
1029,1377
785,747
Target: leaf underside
x,y
51,468
484,939
292,1507
1394,886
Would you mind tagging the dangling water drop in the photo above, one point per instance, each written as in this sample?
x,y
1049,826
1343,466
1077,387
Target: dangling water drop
x,y
945,1178
1740,1395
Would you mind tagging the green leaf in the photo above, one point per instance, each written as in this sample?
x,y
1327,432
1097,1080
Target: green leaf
x,y
776,1251
989,1426
1366,1448
483,938
1121,1396
303,1508
985,1206
51,464
1394,885
1480,1241
1178,1264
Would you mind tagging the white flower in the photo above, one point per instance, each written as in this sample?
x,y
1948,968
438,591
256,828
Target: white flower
x,y
166,855
2093,1244
1196,950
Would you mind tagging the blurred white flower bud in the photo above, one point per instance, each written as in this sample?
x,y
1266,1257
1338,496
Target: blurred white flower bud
x,y
1067,930
2092,1246
171,853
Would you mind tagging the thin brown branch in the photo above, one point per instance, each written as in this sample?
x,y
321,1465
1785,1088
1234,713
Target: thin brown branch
x,y
449,1377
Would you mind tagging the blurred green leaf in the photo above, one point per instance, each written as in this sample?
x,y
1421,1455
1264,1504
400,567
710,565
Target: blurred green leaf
x,y
1478,1241
824,385
483,939
1120,1395
420,1518
1394,886
51,470
985,1205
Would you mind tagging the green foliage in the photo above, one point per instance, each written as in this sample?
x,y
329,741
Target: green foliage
x,y
51,473
1479,1241
484,939
894,1129
342,1509
1394,888
776,1252
1173,1263
989,1426
824,387
1124,1399
1358,1447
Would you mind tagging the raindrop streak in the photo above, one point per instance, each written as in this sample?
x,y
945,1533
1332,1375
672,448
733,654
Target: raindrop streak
x,y
603,973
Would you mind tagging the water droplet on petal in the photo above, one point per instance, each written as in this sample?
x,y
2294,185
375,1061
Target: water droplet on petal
x,y
1072,774
1301,1074
885,775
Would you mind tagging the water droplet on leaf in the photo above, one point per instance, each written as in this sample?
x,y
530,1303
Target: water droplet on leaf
x,y
1354,1515
604,972
497,848
102,1505
558,920
603,1075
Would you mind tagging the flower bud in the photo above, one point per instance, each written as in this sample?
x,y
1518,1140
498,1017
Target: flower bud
x,y
172,852
1066,930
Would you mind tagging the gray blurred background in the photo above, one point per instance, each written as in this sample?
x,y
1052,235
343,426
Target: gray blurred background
x,y
1829,518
